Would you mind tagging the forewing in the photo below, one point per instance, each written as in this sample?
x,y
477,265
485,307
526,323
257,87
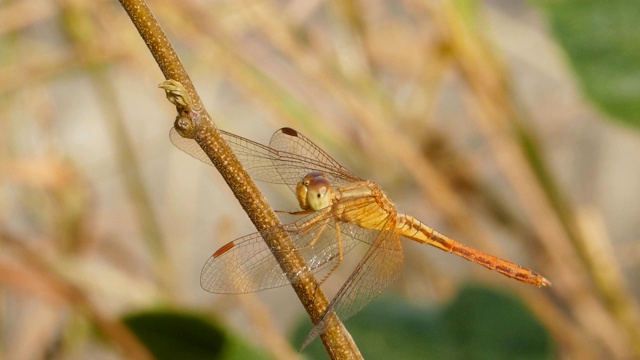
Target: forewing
x,y
257,159
189,146
300,156
290,157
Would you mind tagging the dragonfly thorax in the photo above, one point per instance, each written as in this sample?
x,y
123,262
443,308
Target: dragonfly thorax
x,y
314,192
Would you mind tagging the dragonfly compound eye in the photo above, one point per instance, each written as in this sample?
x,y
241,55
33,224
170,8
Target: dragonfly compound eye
x,y
319,193
314,192
301,194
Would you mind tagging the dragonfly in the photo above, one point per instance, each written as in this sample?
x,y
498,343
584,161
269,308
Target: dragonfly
x,y
338,210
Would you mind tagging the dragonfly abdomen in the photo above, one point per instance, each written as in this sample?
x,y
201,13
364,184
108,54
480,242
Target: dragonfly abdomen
x,y
413,229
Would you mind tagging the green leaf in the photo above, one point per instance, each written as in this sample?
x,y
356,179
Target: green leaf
x,y
494,325
479,323
602,43
178,335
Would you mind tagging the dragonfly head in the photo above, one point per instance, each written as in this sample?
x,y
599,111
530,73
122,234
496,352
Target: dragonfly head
x,y
314,192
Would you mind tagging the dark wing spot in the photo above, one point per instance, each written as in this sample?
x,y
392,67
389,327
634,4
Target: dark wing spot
x,y
289,131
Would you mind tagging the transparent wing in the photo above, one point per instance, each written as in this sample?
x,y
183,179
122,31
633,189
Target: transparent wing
x,y
380,266
289,158
300,156
247,264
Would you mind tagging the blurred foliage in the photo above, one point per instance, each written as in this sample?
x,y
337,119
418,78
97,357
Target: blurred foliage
x,y
602,43
171,335
479,323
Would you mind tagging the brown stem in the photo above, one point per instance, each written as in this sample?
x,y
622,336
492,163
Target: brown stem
x,y
201,128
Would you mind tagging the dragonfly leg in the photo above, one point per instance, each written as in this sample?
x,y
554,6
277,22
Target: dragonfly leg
x,y
340,254
300,212
313,242
339,238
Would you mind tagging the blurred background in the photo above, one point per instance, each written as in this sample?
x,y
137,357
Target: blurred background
x,y
510,126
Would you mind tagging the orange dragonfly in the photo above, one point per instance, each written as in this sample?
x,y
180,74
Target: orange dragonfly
x,y
338,211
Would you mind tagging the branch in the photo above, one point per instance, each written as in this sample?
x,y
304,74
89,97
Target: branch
x,y
195,123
